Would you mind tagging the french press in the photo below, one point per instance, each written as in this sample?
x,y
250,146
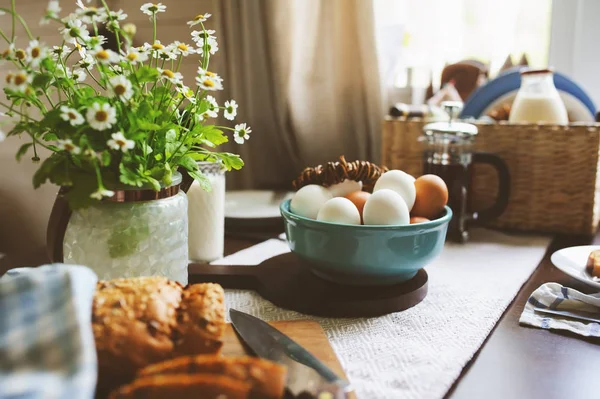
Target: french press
x,y
449,154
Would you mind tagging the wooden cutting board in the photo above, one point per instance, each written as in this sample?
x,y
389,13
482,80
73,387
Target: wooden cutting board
x,y
308,334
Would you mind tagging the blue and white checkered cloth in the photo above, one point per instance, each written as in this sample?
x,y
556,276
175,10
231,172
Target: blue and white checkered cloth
x,y
46,341
556,297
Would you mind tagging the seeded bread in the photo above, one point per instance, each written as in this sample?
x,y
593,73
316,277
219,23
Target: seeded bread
x,y
139,321
184,386
593,263
266,378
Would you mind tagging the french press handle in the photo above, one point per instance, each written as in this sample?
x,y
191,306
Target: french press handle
x,y
499,206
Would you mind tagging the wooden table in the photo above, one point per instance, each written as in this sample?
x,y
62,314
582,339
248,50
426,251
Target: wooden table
x,y
515,362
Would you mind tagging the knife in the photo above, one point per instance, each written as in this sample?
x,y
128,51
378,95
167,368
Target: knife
x,y
307,377
572,315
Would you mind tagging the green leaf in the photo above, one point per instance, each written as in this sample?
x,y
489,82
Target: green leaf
x,y
171,135
191,166
145,125
50,137
130,177
83,184
202,179
146,74
46,168
18,129
215,136
105,158
41,81
23,150
231,161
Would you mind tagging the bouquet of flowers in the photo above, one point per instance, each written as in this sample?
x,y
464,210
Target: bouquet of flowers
x,y
114,117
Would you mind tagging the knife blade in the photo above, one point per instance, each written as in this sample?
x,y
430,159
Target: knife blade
x,y
579,315
306,373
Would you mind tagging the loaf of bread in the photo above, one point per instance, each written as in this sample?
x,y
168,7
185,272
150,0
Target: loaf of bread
x,y
140,321
593,263
184,386
266,378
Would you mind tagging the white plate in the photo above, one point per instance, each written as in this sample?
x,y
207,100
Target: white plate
x,y
572,261
254,204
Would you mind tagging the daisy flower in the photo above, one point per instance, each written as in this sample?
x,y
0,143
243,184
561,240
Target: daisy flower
x,y
186,92
173,77
19,81
117,15
78,75
208,80
6,54
71,115
130,29
230,110
20,54
75,29
152,8
92,43
119,142
101,192
52,11
101,116
89,15
213,107
199,19
135,56
200,35
121,87
67,145
35,53
182,48
58,51
211,46
105,56
87,62
242,133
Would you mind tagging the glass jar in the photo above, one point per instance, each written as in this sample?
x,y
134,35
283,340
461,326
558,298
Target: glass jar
x,y
207,215
134,233
538,100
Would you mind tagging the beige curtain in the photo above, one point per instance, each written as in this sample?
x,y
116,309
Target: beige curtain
x,y
306,76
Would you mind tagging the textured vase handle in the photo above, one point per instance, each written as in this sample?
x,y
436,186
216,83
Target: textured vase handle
x,y
57,226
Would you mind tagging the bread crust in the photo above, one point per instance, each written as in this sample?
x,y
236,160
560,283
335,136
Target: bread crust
x,y
593,263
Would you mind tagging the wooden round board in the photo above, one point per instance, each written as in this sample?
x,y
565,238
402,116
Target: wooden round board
x,y
287,282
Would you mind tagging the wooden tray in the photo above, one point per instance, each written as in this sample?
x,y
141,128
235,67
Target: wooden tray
x,y
287,281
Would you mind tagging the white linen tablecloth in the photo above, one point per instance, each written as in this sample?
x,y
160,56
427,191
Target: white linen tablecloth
x,y
420,352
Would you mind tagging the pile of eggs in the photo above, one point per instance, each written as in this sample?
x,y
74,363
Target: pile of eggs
x,y
397,199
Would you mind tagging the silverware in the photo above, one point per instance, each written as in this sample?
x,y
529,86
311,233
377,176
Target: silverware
x,y
306,374
572,315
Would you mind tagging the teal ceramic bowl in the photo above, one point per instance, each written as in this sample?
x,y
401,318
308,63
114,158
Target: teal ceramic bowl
x,y
364,255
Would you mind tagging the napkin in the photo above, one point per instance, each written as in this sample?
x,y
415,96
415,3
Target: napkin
x,y
46,341
556,297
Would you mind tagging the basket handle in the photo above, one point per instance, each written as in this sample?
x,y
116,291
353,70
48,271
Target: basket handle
x,y
501,203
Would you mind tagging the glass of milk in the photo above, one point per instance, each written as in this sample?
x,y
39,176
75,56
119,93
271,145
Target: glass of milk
x,y
206,215
538,100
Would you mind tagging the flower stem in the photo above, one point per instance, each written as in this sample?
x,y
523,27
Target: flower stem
x,y
25,26
153,27
111,20
4,36
13,12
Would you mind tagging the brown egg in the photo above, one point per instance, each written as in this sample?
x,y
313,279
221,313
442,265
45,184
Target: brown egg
x,y
418,219
358,198
432,195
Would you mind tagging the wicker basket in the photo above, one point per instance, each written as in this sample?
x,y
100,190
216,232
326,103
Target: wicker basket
x,y
555,183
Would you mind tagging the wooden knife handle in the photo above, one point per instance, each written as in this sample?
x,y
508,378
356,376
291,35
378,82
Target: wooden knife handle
x,y
237,277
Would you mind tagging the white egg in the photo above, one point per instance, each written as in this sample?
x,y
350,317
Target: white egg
x,y
309,200
344,188
400,182
386,207
339,210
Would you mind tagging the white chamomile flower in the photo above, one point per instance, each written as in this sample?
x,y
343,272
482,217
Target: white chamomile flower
x,y
67,145
61,71
92,43
130,29
2,13
186,92
87,62
71,115
101,116
75,29
230,110
35,53
121,87
208,80
242,133
105,56
182,48
173,77
199,36
199,19
78,75
90,15
52,11
2,135
19,81
101,192
9,52
152,8
58,51
213,107
117,15
210,44
159,50
119,142
135,56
